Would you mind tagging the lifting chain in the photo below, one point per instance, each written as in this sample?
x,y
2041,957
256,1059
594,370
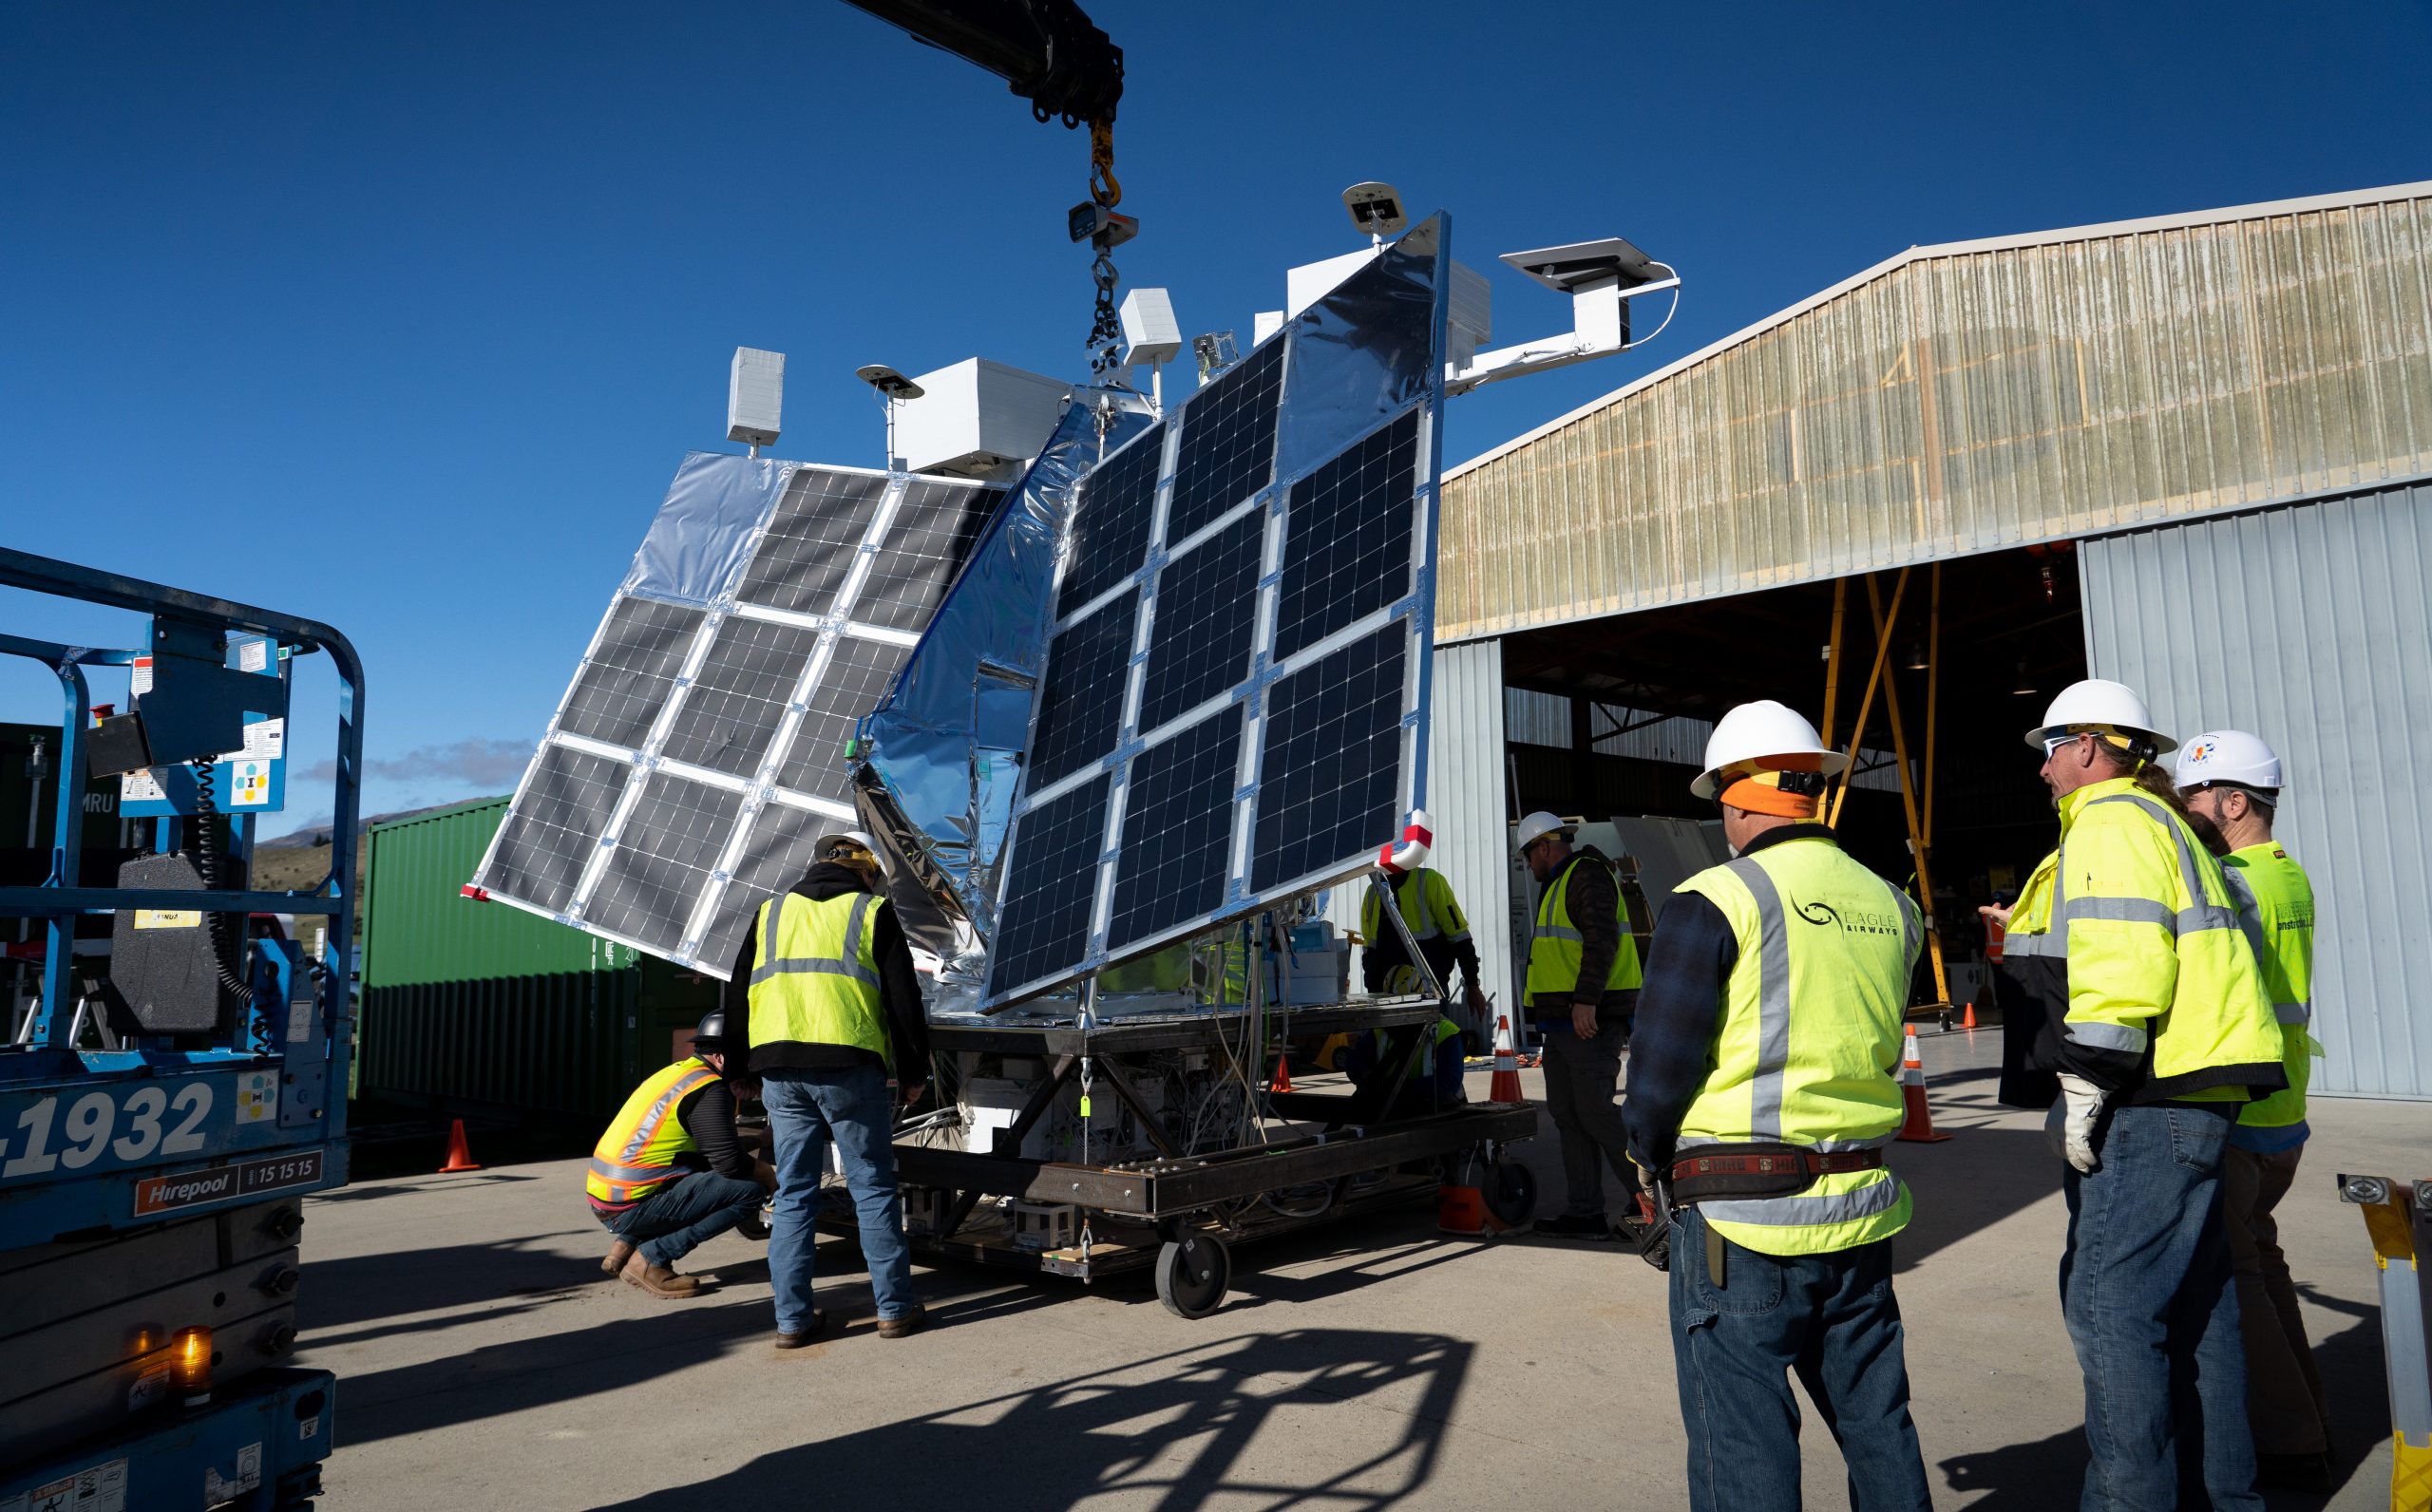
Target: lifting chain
x,y
1106,191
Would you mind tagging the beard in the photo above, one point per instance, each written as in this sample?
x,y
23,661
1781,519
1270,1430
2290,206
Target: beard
x,y
2208,832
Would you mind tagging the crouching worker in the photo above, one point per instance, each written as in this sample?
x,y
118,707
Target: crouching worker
x,y
1764,1081
1433,1080
671,1171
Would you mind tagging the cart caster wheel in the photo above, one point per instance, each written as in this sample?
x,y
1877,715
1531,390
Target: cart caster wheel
x,y
1193,1274
1511,1194
756,1224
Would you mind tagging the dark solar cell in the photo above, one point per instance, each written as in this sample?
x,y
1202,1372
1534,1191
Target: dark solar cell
x,y
1111,522
627,677
555,826
1228,442
811,540
924,547
1330,769
1043,924
1177,829
739,695
856,678
1206,600
773,859
665,852
1081,705
1347,541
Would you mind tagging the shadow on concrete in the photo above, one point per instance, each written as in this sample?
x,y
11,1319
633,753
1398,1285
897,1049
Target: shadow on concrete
x,y
2049,1472
1977,1178
365,1194
1171,1428
362,1287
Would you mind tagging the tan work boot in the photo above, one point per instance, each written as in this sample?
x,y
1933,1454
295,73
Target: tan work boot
x,y
904,1325
618,1254
659,1280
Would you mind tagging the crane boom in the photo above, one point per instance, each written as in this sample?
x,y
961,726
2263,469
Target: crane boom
x,y
1049,52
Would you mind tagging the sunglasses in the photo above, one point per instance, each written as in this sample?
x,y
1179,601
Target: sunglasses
x,y
2052,744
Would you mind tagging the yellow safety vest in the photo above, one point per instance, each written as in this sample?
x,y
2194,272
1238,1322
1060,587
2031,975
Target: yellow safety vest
x,y
1554,944
1427,906
1423,1066
637,1156
814,979
1808,1053
2145,922
2278,910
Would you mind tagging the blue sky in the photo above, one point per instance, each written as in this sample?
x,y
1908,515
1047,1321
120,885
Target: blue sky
x,y
401,317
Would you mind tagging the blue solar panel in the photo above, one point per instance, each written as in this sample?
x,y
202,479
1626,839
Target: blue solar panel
x,y
1249,718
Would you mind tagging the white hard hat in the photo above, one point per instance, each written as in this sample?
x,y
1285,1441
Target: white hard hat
x,y
2098,704
1754,732
1539,824
856,836
2226,756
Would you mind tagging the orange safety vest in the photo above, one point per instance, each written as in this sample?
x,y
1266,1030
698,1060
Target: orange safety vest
x,y
637,1156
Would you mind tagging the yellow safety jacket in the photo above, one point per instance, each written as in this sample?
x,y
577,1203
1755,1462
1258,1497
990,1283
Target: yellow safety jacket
x,y
1809,1051
1427,906
2129,935
637,1156
1554,943
2277,909
814,980
1422,1067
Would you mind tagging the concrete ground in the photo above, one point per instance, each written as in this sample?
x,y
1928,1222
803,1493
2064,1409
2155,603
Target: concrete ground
x,y
485,1363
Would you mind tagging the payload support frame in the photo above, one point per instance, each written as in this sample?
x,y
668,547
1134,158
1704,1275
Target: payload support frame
x,y
1179,1211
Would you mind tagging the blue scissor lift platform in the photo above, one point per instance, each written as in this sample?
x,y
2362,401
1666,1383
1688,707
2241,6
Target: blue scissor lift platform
x,y
162,1121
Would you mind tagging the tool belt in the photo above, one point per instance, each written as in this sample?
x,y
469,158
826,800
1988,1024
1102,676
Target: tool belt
x,y
1754,1170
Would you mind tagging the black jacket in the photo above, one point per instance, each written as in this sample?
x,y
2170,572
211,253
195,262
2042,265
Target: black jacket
x,y
907,1023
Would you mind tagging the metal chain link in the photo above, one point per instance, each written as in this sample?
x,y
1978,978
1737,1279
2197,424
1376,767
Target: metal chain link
x,y
1106,191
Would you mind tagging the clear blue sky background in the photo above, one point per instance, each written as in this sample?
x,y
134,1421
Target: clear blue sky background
x,y
401,317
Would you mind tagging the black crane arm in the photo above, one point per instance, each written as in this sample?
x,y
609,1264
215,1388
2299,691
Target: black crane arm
x,y
1047,50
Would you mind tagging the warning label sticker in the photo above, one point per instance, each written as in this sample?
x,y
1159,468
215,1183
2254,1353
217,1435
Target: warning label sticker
x,y
253,786
103,1488
140,786
217,1488
256,1097
139,680
168,919
265,741
253,656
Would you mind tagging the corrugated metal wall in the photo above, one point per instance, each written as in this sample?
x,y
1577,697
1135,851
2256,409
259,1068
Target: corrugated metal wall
x,y
2308,627
1465,795
1957,399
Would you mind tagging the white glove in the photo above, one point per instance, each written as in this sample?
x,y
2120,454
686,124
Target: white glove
x,y
2081,1107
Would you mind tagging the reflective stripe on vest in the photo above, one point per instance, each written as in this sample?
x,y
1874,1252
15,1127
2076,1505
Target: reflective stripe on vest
x,y
1413,895
1809,1050
815,979
636,1154
1555,945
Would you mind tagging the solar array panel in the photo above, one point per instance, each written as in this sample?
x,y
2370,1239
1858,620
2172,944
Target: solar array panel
x,y
699,753
1232,703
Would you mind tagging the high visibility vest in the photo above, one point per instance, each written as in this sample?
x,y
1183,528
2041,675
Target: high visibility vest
x,y
2278,910
1423,1066
814,978
1554,944
2144,921
1427,906
1809,1051
637,1156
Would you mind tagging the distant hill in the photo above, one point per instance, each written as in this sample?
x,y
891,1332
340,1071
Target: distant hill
x,y
301,859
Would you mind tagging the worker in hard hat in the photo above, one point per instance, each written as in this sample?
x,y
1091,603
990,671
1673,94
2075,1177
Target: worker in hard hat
x,y
1581,986
2155,1022
824,980
1424,899
1764,1085
669,1172
2231,781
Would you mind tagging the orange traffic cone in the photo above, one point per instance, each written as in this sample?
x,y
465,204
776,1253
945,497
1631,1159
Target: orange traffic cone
x,y
1918,1128
460,1155
1505,1087
1282,1082
1967,1020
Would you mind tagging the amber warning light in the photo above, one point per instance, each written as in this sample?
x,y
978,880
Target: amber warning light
x,y
190,1364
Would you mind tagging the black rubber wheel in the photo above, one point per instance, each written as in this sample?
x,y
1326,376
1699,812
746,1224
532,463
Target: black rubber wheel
x,y
756,1224
1511,1194
1193,1274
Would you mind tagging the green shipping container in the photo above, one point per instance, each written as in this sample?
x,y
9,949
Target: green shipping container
x,y
481,1007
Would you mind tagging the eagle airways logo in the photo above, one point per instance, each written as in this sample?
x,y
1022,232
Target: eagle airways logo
x,y
1866,921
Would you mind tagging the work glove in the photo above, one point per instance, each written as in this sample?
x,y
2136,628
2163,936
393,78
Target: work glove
x,y
2071,1132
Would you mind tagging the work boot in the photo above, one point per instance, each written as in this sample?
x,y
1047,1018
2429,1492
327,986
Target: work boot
x,y
902,1324
618,1254
659,1280
1592,1226
796,1340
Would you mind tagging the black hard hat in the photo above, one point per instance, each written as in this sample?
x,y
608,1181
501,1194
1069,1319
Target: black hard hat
x,y
711,1033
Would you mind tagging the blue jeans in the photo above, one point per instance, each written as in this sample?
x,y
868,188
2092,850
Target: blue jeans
x,y
1830,1317
2145,1286
676,1219
807,1108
